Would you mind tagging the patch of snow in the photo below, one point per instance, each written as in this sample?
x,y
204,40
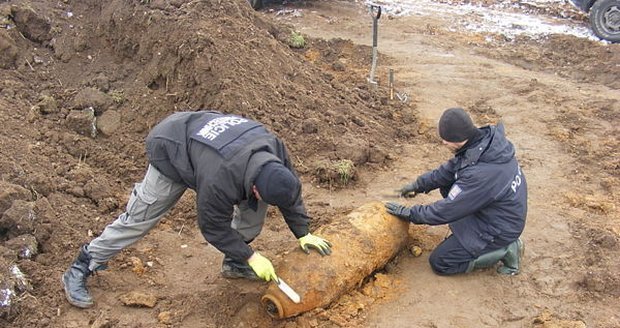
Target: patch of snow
x,y
5,297
508,19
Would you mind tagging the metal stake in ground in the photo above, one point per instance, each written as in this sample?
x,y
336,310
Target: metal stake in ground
x,y
391,83
375,13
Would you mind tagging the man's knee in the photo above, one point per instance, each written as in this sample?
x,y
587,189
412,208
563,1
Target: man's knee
x,y
139,207
442,266
437,264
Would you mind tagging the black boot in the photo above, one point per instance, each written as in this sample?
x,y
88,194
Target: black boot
x,y
232,269
74,280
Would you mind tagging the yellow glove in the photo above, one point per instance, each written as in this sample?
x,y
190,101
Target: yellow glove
x,y
262,267
321,245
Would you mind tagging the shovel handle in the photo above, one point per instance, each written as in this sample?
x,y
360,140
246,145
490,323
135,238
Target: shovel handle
x,y
375,11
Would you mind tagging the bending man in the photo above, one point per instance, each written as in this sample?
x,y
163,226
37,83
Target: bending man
x,y
235,166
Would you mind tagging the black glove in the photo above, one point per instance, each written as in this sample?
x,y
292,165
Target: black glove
x,y
398,210
410,188
402,212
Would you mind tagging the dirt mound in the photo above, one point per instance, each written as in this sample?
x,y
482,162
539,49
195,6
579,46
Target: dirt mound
x,y
83,82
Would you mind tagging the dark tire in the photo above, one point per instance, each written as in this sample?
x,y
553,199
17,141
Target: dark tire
x,y
605,19
256,4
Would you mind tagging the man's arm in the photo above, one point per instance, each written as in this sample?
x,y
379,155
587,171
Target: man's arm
x,y
467,195
443,176
296,218
215,212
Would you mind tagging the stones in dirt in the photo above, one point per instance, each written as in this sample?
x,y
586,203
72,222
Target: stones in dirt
x,y
13,283
165,317
91,97
11,192
101,82
138,299
104,321
380,286
108,122
96,191
548,319
7,295
8,51
338,66
310,125
93,113
82,122
25,246
19,219
47,105
7,253
354,149
601,282
31,24
377,155
21,222
23,219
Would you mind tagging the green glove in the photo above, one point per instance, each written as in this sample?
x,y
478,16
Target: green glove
x,y
262,267
321,245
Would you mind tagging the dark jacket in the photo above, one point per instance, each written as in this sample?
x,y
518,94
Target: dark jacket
x,y
485,193
219,156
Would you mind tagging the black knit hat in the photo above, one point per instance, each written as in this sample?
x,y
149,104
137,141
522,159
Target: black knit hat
x,y
277,185
455,125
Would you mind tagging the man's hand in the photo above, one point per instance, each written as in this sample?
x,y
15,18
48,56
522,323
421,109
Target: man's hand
x,y
406,190
311,241
398,210
402,212
262,267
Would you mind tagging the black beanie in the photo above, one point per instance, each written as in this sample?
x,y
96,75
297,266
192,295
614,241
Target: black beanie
x,y
455,125
277,185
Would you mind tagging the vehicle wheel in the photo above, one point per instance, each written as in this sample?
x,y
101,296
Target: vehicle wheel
x,y
256,4
605,19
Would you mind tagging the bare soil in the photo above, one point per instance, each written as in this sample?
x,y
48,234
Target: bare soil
x,y
131,63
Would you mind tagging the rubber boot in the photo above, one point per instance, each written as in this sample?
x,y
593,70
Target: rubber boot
x,y
74,280
487,260
232,269
512,260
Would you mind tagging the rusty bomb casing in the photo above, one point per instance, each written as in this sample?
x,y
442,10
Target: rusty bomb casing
x,y
362,242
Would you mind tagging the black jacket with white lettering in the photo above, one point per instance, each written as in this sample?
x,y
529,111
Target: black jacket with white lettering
x,y
220,164
485,193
